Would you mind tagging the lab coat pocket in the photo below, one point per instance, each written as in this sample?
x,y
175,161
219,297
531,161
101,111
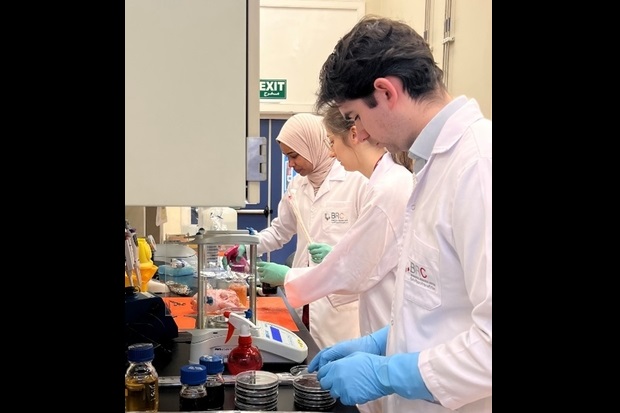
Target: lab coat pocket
x,y
422,280
338,300
337,217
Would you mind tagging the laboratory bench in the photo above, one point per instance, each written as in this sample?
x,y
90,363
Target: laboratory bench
x,y
179,356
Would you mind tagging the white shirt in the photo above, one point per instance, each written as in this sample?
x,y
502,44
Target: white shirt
x,y
443,296
327,217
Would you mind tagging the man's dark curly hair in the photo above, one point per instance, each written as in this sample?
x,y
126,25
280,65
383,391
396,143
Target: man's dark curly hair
x,y
377,47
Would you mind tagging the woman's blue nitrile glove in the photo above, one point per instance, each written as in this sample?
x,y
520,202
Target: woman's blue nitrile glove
x,y
374,343
318,251
271,273
362,377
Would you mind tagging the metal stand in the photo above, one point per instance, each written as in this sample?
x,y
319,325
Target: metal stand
x,y
232,237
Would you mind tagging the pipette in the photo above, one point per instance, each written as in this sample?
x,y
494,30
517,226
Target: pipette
x,y
298,215
131,261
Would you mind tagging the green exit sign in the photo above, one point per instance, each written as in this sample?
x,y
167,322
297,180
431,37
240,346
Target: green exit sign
x,y
273,88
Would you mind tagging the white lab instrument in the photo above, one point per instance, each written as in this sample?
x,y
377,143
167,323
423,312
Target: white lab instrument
x,y
277,344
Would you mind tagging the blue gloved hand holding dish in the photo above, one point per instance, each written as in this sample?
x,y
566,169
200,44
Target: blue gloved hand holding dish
x,y
318,251
374,343
356,371
271,273
362,377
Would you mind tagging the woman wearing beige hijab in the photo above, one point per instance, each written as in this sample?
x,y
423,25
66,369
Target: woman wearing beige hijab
x,y
322,202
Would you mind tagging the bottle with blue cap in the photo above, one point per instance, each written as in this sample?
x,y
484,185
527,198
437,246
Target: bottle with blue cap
x,y
193,393
215,381
141,379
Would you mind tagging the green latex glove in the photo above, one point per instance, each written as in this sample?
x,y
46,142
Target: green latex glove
x,y
241,252
271,273
237,251
318,251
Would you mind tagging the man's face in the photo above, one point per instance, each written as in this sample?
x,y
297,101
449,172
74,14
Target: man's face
x,y
372,123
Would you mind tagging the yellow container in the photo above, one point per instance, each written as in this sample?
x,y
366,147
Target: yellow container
x,y
147,271
144,252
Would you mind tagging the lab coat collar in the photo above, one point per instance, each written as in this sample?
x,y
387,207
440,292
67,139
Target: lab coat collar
x,y
336,173
383,166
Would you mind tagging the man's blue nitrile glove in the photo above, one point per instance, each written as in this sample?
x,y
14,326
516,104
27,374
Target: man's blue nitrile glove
x,y
251,230
361,377
271,273
318,251
374,343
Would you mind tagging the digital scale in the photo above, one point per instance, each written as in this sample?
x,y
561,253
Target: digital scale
x,y
276,343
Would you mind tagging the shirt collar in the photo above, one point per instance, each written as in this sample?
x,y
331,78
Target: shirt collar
x,y
422,147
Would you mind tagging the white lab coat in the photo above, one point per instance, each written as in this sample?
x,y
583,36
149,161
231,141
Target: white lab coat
x,y
327,217
443,300
365,260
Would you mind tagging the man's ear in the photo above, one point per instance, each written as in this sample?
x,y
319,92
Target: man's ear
x,y
385,90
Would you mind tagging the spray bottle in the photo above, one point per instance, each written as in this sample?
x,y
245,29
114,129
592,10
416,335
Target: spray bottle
x,y
245,356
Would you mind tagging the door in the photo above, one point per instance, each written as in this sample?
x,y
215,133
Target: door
x,y
259,216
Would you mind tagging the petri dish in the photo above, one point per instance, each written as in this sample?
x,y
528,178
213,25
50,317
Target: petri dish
x,y
296,370
262,393
257,401
308,394
308,383
305,407
257,380
253,407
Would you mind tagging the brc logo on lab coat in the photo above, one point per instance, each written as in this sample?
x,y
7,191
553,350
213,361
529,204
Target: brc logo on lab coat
x,y
336,217
420,276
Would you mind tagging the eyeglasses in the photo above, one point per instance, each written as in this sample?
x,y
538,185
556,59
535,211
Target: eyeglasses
x,y
329,142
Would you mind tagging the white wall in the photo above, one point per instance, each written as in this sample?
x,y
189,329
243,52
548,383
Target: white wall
x,y
470,58
296,36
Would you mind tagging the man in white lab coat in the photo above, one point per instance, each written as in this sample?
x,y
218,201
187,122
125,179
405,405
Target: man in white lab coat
x,y
435,354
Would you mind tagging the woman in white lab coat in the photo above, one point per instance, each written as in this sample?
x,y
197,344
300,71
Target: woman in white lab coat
x,y
329,200
365,260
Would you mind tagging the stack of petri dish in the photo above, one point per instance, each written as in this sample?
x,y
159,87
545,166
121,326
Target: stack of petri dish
x,y
256,390
309,395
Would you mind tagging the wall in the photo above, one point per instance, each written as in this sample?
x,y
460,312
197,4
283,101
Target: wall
x,y
470,56
296,36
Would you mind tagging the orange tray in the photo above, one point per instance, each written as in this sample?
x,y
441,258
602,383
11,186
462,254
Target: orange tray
x,y
269,309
